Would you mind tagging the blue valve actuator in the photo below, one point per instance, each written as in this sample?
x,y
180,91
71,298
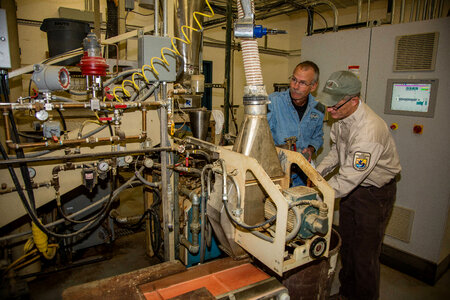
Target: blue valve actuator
x,y
259,31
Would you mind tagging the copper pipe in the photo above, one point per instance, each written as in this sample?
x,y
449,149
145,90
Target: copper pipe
x,y
109,105
144,122
65,105
86,156
4,189
75,142
8,133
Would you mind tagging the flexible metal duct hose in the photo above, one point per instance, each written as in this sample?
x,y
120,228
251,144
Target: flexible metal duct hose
x,y
250,55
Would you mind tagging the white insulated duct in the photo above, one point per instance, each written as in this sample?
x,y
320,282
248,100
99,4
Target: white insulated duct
x,y
250,54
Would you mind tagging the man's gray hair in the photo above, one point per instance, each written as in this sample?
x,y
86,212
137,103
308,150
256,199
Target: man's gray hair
x,y
306,65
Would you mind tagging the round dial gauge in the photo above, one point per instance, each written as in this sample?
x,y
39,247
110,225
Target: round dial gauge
x,y
32,172
128,159
103,166
148,162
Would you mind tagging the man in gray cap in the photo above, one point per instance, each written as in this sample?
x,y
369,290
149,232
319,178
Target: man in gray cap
x,y
365,152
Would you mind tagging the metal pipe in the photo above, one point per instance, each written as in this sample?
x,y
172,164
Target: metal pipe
x,y
156,19
35,185
417,11
359,11
75,142
165,18
441,8
402,11
195,224
435,9
368,13
425,10
108,154
167,220
310,25
165,177
71,105
391,11
437,4
97,20
411,14
333,7
226,100
430,9
177,211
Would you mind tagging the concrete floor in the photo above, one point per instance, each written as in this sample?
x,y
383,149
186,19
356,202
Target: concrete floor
x,y
129,255
395,285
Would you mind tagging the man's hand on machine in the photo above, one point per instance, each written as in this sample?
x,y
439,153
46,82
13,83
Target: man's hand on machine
x,y
308,152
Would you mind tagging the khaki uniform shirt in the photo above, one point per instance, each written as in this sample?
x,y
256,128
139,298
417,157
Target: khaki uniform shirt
x,y
364,150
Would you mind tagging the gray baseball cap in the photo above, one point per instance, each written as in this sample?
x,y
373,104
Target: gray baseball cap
x,y
339,85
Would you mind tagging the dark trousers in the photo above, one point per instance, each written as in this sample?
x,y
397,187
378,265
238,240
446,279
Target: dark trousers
x,y
363,216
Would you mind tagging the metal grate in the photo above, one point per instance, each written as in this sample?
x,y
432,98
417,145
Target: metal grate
x,y
400,224
416,52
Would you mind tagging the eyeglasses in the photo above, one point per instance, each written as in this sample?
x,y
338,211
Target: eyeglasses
x,y
302,83
334,107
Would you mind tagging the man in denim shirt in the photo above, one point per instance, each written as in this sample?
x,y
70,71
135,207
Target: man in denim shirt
x,y
295,113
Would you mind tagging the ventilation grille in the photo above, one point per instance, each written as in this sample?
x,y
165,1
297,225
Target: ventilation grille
x,y
400,224
416,52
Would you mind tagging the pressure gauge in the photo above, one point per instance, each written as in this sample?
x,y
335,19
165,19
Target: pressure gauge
x,y
32,172
41,115
103,166
148,163
128,159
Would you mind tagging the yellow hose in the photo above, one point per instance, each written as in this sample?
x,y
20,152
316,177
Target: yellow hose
x,y
163,59
41,242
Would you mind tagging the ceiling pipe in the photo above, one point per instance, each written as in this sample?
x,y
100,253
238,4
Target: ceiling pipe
x,y
359,12
390,11
332,6
425,10
417,11
402,11
430,10
441,8
411,13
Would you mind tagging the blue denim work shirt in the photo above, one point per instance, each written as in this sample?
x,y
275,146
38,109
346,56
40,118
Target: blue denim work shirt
x,y
284,122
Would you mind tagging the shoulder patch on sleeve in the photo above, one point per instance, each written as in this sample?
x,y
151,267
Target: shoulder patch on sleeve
x,y
361,160
320,107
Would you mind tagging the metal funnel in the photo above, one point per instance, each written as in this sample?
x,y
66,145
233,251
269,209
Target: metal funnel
x,y
199,120
255,140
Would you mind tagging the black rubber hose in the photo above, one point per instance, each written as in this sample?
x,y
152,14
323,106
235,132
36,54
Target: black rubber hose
x,y
31,212
30,136
63,121
109,124
19,152
156,239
